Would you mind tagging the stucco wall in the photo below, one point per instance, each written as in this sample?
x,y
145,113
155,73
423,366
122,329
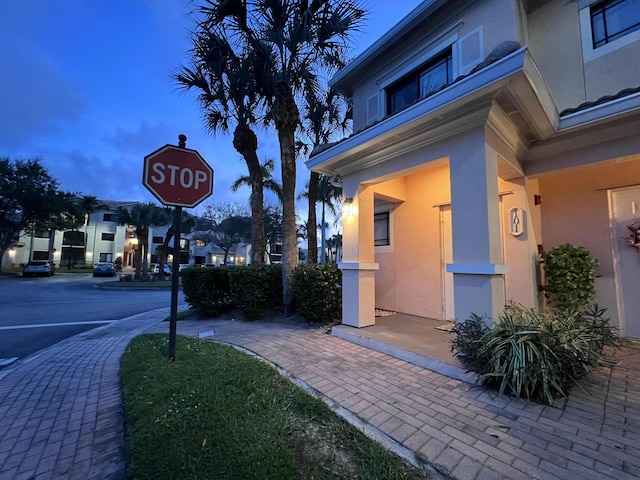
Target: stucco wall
x,y
575,210
409,279
500,21
554,43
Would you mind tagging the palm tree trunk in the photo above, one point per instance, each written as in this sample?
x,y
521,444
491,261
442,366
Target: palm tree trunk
x,y
286,117
323,252
245,142
312,222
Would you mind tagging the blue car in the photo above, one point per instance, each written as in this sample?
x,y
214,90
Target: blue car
x,y
104,269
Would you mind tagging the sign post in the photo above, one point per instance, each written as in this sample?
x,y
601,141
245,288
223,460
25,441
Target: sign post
x,y
178,177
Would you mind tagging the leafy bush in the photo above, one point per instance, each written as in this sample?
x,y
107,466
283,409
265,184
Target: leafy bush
x,y
317,292
207,290
256,288
570,276
537,356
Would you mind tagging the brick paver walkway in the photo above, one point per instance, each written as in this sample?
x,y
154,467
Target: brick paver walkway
x,y
60,410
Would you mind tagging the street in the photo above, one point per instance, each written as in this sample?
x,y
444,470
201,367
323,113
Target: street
x,y
38,312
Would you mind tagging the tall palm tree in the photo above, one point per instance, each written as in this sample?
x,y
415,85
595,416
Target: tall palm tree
x,y
288,40
142,216
325,114
268,182
328,193
228,97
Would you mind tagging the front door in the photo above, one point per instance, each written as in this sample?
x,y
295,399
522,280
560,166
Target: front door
x,y
625,210
446,256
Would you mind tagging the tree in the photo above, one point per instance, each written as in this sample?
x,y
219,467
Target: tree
x,y
328,193
227,96
287,40
29,200
268,181
325,114
227,233
142,216
272,228
187,223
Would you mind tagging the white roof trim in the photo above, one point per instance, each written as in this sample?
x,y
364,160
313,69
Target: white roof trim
x,y
600,112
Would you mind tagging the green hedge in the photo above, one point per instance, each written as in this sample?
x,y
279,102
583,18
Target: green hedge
x,y
207,290
256,289
317,292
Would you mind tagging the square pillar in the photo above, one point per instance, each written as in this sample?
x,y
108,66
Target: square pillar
x,y
358,254
477,267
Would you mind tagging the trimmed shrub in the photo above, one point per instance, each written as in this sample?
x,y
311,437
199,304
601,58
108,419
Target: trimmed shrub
x,y
570,273
537,356
256,289
317,292
207,290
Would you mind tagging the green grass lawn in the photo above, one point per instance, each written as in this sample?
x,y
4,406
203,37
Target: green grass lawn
x,y
218,413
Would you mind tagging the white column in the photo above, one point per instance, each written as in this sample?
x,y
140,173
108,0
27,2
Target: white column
x,y
477,252
358,261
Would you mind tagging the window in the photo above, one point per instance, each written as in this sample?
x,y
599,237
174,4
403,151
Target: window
x,y
201,243
109,217
108,237
613,19
73,238
421,83
157,240
106,257
40,255
381,229
42,234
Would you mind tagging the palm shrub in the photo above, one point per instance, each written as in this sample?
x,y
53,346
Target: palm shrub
x,y
570,273
536,355
317,291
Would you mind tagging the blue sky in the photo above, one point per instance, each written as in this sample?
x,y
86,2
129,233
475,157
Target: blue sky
x,y
86,86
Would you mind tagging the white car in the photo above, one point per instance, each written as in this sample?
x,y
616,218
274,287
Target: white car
x,y
155,268
36,268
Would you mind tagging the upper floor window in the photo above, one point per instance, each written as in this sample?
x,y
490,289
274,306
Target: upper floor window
x,y
157,239
421,83
613,19
73,238
108,237
109,217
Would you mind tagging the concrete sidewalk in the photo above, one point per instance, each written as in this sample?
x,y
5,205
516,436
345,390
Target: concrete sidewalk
x,y
60,409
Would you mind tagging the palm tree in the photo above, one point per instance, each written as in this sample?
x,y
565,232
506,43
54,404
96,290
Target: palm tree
x,y
325,113
328,193
268,182
287,40
142,216
227,96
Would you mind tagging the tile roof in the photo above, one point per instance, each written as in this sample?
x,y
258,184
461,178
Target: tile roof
x,y
605,99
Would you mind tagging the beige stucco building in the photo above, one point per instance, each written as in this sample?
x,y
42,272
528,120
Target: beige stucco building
x,y
486,131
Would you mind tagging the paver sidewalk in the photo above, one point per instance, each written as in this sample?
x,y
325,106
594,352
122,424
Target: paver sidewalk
x,y
60,411
465,431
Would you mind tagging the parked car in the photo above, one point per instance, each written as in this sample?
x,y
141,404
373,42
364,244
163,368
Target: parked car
x,y
104,269
38,268
155,268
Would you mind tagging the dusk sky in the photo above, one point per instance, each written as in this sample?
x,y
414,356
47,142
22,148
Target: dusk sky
x,y
86,86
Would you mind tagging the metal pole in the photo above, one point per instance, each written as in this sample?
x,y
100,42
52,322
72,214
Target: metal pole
x,y
175,270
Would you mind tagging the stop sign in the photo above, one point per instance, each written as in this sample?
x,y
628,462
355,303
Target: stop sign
x,y
177,176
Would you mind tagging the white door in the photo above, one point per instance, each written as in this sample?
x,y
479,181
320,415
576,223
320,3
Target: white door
x,y
446,256
625,210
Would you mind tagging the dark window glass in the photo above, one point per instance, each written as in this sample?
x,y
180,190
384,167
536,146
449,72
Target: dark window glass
x,y
42,234
106,257
420,84
613,19
381,229
109,237
40,255
157,240
73,238
109,217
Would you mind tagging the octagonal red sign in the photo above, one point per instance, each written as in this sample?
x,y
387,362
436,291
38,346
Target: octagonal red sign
x,y
177,176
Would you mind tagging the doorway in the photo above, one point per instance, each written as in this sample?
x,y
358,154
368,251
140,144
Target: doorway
x,y
624,209
446,256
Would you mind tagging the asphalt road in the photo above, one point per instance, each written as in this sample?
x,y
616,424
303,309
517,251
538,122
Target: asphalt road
x,y
38,312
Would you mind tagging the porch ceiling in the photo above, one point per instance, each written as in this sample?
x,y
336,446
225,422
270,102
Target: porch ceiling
x,y
509,84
